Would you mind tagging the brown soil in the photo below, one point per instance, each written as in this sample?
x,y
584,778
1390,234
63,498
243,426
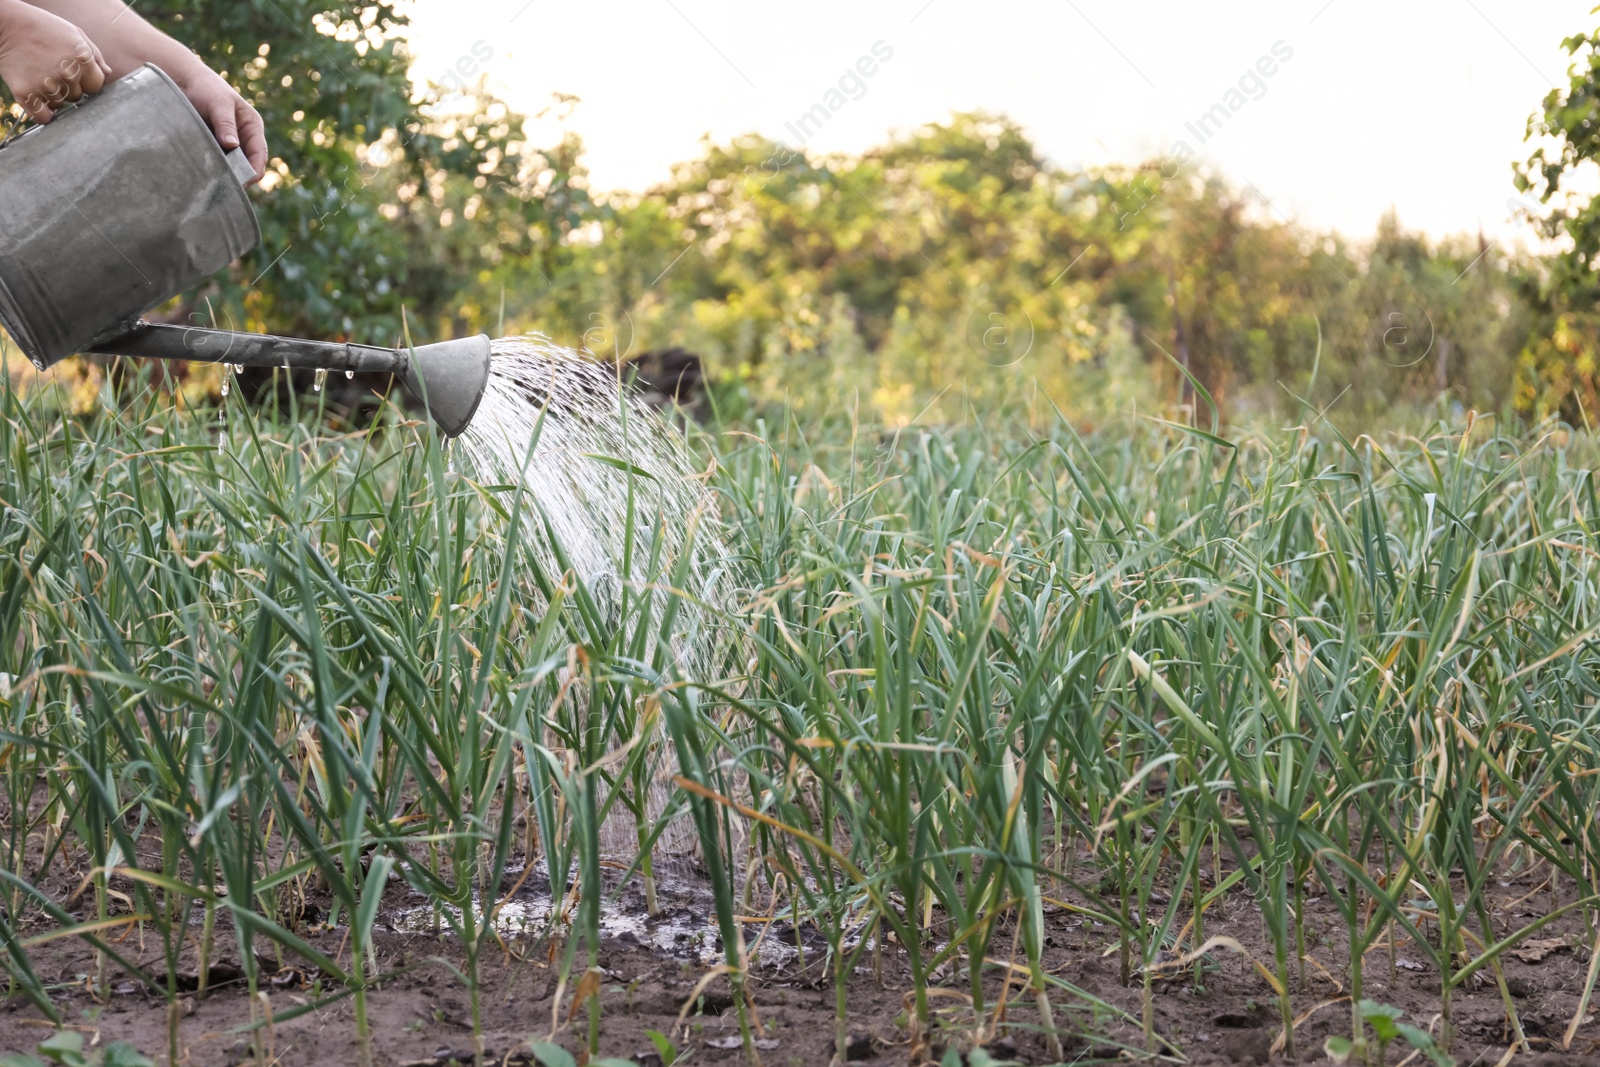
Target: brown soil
x,y
421,1014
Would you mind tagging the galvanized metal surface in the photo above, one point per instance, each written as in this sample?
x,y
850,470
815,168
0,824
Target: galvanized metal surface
x,y
449,377
153,340
121,203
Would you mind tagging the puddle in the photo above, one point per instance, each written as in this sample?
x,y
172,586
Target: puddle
x,y
685,926
672,932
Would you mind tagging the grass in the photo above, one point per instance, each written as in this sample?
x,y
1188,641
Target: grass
x,y
982,671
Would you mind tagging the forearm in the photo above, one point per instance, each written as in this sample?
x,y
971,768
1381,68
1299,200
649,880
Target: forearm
x,y
126,40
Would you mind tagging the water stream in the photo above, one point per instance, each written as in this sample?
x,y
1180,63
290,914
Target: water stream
x,y
579,473
609,475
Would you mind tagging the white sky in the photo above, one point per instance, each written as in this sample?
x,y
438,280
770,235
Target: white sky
x,y
1419,104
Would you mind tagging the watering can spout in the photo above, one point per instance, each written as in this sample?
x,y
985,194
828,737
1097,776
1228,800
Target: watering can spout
x,y
448,378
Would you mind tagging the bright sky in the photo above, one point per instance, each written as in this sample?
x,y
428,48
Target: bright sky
x,y
1418,104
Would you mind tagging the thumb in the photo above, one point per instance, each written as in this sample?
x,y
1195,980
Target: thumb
x,y
223,125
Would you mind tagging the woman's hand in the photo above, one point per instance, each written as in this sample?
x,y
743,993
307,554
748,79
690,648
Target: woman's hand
x,y
46,61
230,116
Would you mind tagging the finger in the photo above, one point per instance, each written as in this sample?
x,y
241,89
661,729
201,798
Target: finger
x,y
222,124
72,84
253,135
92,79
36,107
94,70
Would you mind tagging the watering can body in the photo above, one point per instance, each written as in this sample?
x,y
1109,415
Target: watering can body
x,y
126,200
111,210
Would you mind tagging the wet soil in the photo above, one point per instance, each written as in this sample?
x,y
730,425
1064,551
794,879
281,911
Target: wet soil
x,y
653,969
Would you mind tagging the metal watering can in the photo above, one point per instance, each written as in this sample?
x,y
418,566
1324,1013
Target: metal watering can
x,y
125,201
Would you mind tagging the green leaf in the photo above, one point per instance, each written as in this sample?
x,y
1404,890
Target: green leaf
x,y
551,1055
122,1054
619,464
1382,1018
1338,1049
372,895
1423,1042
664,1047
1195,431
65,1048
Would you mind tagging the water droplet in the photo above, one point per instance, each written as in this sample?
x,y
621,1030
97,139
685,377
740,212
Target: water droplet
x,y
322,376
227,382
349,374
238,368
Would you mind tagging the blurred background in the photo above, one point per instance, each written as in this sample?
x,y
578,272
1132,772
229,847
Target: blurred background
x,y
925,204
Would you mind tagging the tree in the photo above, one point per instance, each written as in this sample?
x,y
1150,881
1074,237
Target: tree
x,y
958,256
380,199
1559,368
328,83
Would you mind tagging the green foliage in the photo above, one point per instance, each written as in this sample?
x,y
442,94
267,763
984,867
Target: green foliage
x,y
1385,1022
967,645
66,1049
966,652
1558,369
1571,117
550,1055
664,1047
957,256
380,197
328,84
